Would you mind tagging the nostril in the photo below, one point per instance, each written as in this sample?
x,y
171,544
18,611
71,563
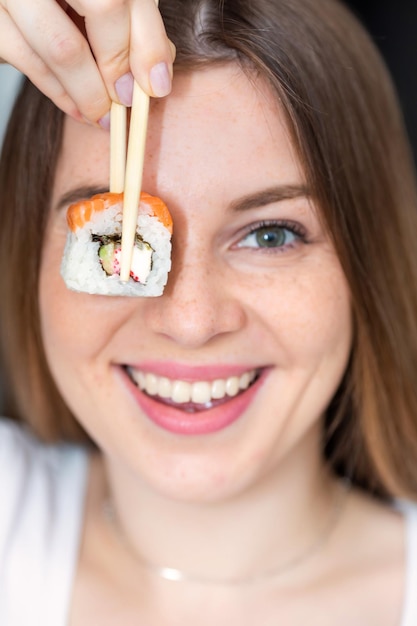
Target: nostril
x,y
193,314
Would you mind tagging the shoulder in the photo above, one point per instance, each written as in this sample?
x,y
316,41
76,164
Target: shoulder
x,y
409,511
16,441
368,572
42,488
33,473
26,461
383,548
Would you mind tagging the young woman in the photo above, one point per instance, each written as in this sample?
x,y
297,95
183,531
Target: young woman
x,y
240,450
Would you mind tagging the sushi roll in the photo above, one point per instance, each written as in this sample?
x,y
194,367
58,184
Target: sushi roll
x,y
91,260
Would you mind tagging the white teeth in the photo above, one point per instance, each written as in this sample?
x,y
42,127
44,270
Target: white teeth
x,y
232,386
218,389
151,383
245,380
181,391
164,387
200,392
140,380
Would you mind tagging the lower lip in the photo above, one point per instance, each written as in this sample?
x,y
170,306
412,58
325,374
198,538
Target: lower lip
x,y
201,422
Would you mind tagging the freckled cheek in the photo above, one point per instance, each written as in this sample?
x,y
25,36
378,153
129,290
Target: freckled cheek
x,y
72,324
308,315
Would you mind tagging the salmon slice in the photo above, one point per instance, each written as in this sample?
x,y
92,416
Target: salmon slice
x,y
80,213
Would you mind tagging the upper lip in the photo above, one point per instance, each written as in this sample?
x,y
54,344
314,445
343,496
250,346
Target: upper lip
x,y
191,373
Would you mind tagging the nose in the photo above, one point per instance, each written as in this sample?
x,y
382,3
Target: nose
x,y
198,305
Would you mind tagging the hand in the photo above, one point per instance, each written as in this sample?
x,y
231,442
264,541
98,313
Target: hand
x,y
82,53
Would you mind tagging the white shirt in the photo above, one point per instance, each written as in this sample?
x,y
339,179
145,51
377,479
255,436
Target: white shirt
x,y
409,616
42,492
41,503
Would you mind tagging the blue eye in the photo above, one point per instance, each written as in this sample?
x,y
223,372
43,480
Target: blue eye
x,y
269,236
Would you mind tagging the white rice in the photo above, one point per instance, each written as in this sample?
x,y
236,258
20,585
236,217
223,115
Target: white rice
x,y
81,267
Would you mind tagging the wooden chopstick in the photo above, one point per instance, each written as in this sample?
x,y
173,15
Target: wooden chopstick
x,y
132,171
118,116
133,178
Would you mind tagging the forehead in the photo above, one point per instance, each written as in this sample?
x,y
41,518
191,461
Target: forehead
x,y
217,122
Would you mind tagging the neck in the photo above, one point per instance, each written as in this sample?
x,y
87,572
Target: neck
x,y
265,528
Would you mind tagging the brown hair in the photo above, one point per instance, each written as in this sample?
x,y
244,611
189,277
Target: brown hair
x,y
346,124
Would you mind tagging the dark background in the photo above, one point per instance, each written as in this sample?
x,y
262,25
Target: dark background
x,y
393,25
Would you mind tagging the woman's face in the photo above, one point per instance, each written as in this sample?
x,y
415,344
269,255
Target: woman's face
x,y
256,296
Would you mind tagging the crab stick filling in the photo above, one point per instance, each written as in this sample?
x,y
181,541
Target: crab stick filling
x,y
110,253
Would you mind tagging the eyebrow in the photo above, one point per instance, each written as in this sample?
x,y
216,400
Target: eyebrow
x,y
269,196
251,201
79,193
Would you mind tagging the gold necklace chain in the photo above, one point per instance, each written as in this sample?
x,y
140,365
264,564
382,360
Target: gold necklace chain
x,y
173,574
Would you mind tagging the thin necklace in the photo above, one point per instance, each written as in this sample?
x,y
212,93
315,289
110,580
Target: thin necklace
x,y
173,574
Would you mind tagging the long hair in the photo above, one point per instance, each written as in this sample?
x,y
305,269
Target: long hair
x,y
346,125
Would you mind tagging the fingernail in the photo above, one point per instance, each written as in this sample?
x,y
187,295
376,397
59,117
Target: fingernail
x,y
124,89
160,80
104,122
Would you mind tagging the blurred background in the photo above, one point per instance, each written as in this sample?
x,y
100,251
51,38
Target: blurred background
x,y
393,25
9,83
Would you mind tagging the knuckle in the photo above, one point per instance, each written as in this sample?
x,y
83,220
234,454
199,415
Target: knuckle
x,y
112,66
100,7
172,49
39,69
66,51
66,104
42,70
95,108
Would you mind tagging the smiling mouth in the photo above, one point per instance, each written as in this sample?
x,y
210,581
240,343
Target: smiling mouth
x,y
191,397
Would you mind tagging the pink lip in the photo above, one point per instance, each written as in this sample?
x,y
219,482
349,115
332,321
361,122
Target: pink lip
x,y
204,422
178,371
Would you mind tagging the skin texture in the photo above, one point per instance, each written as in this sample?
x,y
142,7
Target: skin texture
x,y
214,141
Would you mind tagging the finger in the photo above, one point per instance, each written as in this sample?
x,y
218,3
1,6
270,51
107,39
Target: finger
x,y
128,36
151,52
108,31
15,51
65,51
173,50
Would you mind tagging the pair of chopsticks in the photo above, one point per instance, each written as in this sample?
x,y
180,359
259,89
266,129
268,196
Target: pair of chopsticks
x,y
126,171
